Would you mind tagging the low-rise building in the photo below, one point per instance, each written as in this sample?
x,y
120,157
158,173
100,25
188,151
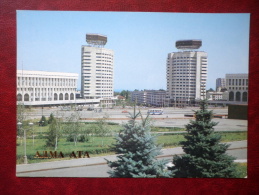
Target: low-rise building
x,y
217,95
46,88
149,97
237,86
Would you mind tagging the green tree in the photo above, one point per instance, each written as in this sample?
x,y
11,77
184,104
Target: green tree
x,y
73,126
210,90
51,118
54,133
205,156
21,116
43,121
102,128
125,93
87,132
136,151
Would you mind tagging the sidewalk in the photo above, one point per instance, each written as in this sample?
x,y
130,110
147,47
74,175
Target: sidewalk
x,y
169,152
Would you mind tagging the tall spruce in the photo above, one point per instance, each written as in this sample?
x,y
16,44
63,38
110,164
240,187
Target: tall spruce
x,y
205,156
136,151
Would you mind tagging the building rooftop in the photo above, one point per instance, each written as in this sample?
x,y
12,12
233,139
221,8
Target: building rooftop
x,y
96,39
188,44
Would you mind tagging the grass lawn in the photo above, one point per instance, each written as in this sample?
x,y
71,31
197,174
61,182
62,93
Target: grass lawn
x,y
97,145
241,170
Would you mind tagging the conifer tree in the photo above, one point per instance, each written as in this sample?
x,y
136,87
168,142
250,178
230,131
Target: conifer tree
x,y
205,156
136,151
51,118
43,121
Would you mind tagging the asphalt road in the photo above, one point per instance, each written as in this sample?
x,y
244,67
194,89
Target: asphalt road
x,y
172,117
114,113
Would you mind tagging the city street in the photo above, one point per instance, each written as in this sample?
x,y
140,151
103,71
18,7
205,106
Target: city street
x,y
97,167
172,117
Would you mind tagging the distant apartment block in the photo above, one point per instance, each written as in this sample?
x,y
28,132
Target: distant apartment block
x,y
96,68
140,97
237,86
186,73
149,97
220,83
46,88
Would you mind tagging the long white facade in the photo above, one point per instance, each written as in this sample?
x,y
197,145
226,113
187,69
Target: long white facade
x,y
43,88
186,76
96,72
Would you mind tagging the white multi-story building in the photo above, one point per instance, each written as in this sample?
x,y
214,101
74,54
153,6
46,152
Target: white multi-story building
x,y
156,97
149,97
46,88
217,95
237,86
96,69
186,73
140,97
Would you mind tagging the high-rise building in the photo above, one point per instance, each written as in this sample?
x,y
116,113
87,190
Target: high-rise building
x,y
220,83
186,73
96,68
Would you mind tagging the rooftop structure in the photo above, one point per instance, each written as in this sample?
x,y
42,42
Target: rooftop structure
x,y
188,44
96,39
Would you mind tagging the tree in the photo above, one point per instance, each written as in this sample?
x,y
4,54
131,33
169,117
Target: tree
x,y
210,90
101,128
21,117
136,151
125,93
205,155
51,118
73,126
87,131
54,132
43,121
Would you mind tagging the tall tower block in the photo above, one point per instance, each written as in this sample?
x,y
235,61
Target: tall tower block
x,y
186,73
96,68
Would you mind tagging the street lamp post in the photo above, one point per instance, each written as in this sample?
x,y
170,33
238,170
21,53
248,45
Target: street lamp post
x,y
57,130
31,124
24,138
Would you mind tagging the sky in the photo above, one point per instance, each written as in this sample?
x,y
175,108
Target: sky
x,y
52,40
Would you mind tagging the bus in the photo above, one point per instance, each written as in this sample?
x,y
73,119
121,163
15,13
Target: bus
x,y
155,111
